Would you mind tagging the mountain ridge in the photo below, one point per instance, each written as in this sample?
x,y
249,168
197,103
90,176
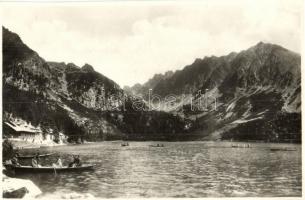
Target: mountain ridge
x,y
259,85
257,89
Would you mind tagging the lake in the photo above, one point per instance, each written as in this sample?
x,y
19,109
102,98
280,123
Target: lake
x,y
180,169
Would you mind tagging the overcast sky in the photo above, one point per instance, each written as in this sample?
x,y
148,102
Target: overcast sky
x,y
131,41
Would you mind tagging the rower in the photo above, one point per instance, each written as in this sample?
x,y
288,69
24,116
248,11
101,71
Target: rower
x,y
35,161
77,161
71,164
58,163
17,153
15,160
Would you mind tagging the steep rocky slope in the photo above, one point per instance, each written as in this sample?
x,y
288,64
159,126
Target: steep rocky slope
x,y
56,96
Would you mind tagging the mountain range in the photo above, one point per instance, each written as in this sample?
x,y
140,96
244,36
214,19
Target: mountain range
x,y
251,95
257,93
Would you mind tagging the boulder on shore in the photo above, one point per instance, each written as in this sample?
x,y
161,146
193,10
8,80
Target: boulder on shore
x,y
19,188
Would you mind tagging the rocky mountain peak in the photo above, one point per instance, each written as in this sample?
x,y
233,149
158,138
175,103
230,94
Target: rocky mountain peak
x,y
87,68
17,50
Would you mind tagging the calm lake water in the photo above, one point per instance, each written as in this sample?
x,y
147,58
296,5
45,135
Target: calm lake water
x,y
180,169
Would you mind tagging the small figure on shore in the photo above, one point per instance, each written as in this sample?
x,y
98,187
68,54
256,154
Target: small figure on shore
x,y
58,163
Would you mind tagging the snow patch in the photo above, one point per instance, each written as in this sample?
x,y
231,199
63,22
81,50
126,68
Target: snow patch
x,y
231,106
240,121
67,108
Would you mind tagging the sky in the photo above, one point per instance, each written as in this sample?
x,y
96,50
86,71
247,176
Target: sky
x,y
131,41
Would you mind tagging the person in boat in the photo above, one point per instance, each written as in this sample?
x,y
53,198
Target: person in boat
x,y
58,163
35,161
124,144
15,160
77,161
17,153
71,164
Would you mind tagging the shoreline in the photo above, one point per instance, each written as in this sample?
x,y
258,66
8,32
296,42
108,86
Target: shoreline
x,y
19,188
19,144
29,145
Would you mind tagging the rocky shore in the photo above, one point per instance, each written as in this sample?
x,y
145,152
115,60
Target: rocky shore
x,y
23,188
19,188
20,144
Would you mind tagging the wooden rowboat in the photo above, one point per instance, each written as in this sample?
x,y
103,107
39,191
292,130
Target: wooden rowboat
x,y
32,156
156,145
45,169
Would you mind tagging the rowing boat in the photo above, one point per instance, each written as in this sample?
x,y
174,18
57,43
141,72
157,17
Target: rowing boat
x,y
156,145
32,156
282,149
48,169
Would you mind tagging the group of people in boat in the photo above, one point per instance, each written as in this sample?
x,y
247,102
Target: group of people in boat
x,y
157,145
35,162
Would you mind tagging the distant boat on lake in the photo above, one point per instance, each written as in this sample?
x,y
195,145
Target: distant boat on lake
x,y
157,145
241,146
125,144
283,149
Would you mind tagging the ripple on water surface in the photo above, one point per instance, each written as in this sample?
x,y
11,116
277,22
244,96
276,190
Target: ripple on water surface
x,y
180,169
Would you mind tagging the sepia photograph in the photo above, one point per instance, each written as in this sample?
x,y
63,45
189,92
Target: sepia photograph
x,y
151,99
